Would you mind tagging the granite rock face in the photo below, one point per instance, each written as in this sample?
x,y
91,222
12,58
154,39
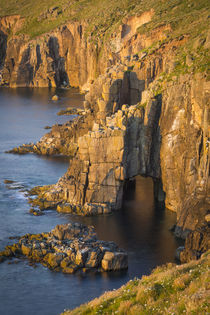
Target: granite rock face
x,y
66,56
107,156
184,152
115,142
69,248
53,59
197,242
153,138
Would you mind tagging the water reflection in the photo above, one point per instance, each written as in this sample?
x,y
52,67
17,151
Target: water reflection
x,y
67,97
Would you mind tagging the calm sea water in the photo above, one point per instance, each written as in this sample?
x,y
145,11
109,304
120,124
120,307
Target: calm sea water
x,y
140,227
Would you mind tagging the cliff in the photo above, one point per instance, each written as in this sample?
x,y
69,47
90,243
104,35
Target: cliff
x,y
146,110
73,43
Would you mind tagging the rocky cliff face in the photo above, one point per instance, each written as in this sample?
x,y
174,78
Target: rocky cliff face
x,y
184,148
163,136
149,139
143,115
66,55
61,57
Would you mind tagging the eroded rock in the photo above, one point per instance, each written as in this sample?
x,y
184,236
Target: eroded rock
x,y
106,157
68,248
197,242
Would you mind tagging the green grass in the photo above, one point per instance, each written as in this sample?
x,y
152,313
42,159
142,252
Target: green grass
x,y
99,14
170,289
103,16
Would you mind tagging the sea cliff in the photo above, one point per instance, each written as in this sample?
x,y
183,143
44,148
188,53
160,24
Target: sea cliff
x,y
145,111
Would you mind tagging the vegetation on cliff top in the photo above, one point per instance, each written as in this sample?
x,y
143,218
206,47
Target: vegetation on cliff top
x,y
102,16
170,289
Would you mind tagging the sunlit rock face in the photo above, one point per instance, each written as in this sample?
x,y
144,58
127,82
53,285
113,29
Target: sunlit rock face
x,y
136,120
67,55
107,156
163,136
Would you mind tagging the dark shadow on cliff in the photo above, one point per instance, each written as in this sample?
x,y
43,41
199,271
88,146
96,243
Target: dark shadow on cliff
x,y
25,69
3,49
58,63
125,91
129,91
55,66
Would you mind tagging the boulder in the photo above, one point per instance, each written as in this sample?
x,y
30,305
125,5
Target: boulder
x,y
114,261
94,258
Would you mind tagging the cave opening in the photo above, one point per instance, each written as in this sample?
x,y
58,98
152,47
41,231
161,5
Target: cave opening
x,y
144,191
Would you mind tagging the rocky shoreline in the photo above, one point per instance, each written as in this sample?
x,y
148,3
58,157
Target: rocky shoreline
x,y
112,142
69,248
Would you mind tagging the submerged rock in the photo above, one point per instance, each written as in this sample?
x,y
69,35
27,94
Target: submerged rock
x,y
13,185
36,212
68,248
8,181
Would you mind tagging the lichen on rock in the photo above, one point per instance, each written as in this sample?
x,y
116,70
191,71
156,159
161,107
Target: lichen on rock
x,y
69,248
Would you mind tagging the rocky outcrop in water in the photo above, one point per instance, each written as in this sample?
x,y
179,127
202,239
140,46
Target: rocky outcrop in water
x,y
148,139
69,248
62,139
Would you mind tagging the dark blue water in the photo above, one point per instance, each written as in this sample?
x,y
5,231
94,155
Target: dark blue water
x,y
140,228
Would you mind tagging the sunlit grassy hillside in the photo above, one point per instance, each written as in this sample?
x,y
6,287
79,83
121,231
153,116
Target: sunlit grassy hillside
x,y
170,289
103,16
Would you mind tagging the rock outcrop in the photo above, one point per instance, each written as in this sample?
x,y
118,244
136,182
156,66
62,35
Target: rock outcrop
x,y
62,139
54,59
69,248
149,139
107,156
197,242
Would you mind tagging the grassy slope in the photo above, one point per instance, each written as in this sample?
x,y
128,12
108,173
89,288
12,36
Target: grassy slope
x,y
103,15
170,289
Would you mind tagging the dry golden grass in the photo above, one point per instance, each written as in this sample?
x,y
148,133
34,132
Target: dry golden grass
x,y
124,307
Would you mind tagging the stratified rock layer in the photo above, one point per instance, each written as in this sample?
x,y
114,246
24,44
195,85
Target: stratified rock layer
x,y
68,248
